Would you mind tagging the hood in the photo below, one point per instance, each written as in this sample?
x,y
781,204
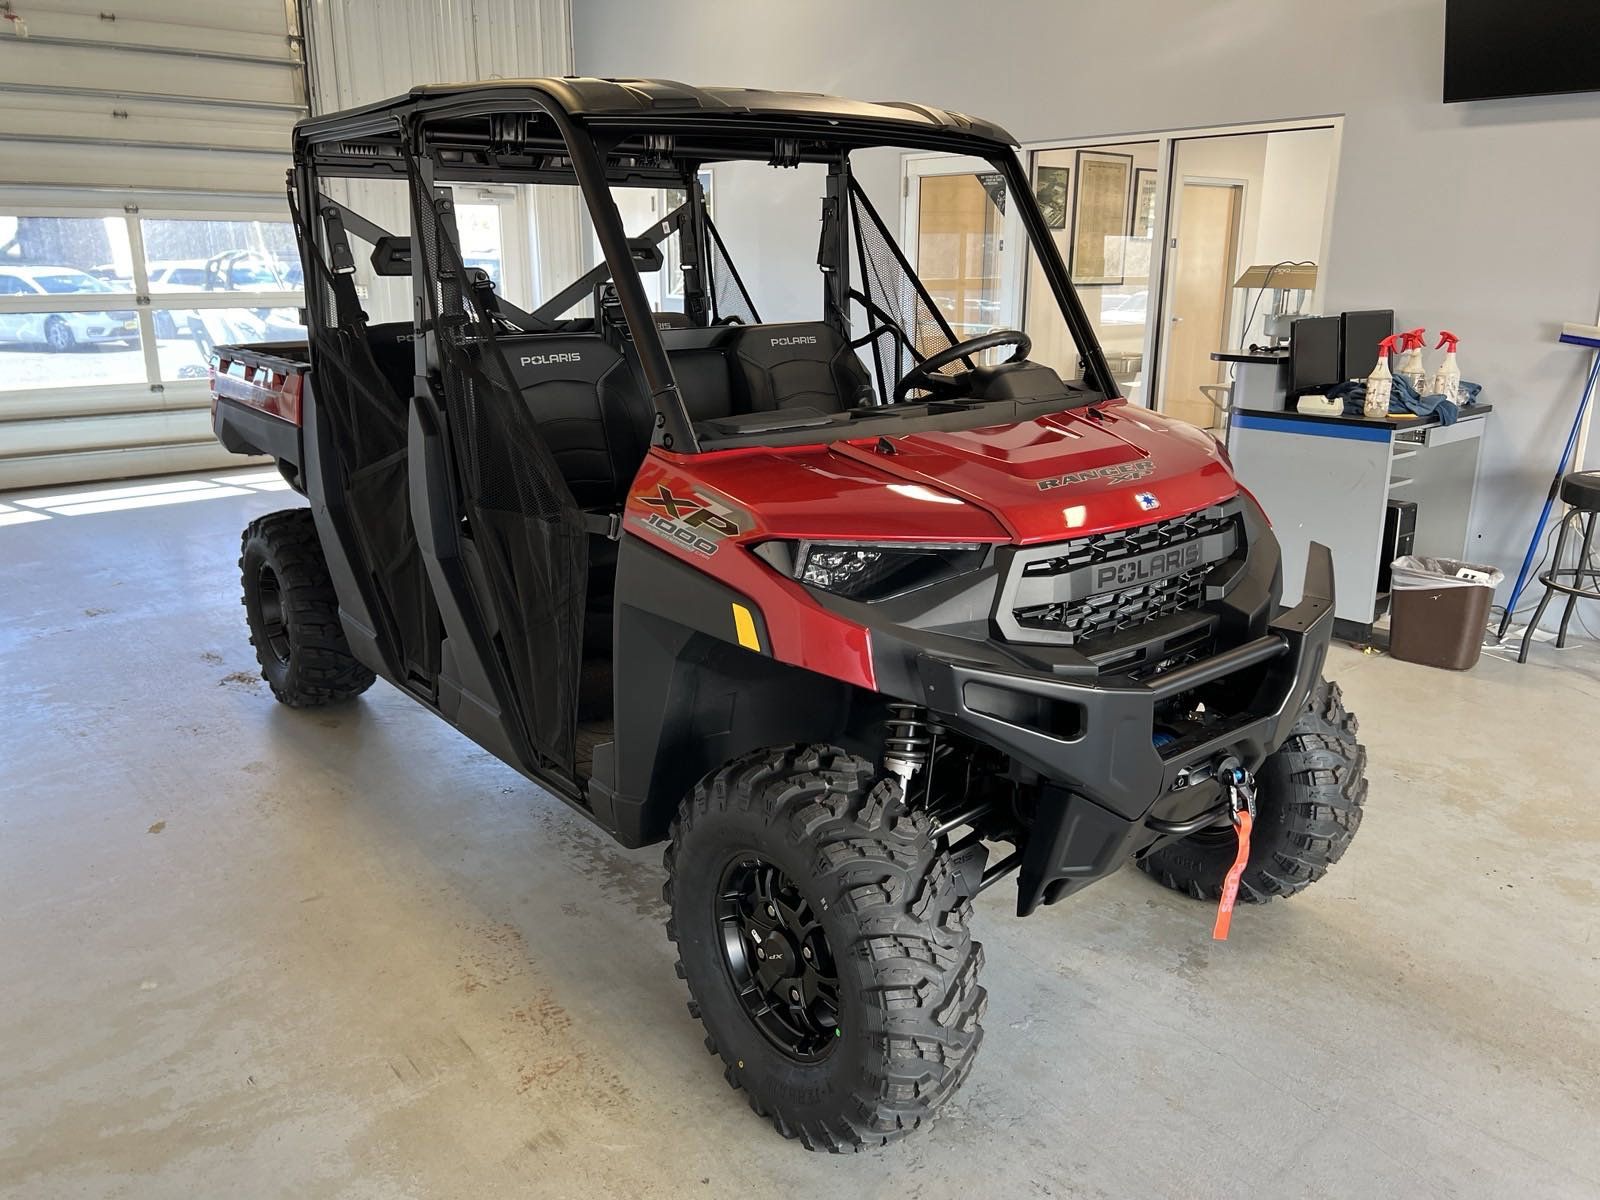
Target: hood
x,y
1066,474
1059,476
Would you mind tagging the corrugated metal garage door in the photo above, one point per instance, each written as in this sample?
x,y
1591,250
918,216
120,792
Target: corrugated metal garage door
x,y
143,145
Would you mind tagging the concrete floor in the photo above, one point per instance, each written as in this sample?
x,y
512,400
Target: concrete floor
x,y
254,952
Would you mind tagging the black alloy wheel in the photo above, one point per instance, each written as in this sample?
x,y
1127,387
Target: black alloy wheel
x,y
778,958
823,932
274,630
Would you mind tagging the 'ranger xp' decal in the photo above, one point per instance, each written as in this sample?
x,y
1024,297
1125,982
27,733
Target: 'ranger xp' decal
x,y
1116,473
688,519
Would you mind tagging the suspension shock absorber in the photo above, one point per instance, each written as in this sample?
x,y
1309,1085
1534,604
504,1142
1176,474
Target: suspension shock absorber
x,y
907,742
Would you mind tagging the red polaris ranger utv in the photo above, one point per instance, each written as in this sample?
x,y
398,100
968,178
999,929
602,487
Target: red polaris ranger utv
x,y
860,611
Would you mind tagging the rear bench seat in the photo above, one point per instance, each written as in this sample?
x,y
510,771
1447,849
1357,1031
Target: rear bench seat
x,y
597,420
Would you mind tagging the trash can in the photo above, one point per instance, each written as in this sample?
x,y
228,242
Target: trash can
x,y
1436,616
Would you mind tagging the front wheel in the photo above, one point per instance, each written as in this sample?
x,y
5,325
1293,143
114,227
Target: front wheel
x,y
58,336
1310,793
825,944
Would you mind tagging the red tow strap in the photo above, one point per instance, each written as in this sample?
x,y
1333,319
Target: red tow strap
x,y
1230,885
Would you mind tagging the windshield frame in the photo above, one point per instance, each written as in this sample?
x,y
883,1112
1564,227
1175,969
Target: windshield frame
x,y
588,166
475,126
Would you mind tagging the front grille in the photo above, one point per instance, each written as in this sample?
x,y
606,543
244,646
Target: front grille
x,y
1124,543
1087,618
1111,612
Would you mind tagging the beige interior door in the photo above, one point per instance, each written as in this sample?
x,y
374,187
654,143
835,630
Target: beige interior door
x,y
1202,274
958,253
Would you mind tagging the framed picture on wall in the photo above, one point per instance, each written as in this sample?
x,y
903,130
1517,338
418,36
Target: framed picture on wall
x,y
1143,223
1050,187
1100,217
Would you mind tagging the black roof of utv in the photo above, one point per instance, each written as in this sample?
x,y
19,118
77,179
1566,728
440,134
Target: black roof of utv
x,y
643,103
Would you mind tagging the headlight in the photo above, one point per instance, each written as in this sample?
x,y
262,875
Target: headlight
x,y
871,570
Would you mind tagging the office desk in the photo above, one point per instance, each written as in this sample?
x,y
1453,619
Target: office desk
x,y
1328,479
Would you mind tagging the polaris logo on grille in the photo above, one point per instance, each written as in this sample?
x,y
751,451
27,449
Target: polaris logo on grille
x,y
543,360
1147,567
796,340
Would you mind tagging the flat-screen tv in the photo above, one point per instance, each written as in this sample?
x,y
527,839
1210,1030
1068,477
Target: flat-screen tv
x,y
1494,49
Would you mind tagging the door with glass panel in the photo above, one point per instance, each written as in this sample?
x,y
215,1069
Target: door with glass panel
x,y
962,235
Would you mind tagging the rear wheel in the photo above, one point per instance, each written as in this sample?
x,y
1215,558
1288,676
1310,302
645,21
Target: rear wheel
x,y
293,613
1310,794
825,943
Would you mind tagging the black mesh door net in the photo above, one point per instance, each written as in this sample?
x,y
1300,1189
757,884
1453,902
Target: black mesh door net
x,y
366,421
905,324
521,517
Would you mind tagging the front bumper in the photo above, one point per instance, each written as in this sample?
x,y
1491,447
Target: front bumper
x,y
1111,791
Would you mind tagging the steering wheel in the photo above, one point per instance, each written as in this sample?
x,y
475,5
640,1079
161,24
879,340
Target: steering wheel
x,y
923,376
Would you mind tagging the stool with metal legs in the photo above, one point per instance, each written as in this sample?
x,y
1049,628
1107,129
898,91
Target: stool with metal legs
x,y
1221,397
1581,490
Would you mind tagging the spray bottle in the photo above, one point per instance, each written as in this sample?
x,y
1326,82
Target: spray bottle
x,y
1447,379
1411,368
1380,383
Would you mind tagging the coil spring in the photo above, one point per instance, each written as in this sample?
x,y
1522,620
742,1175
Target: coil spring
x,y
907,739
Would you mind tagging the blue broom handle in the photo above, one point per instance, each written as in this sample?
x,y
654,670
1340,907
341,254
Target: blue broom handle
x,y
1555,489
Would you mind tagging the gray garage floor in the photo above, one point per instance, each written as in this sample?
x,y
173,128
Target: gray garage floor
x,y
251,952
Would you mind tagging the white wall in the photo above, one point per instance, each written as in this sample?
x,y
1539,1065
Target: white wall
x,y
1294,191
1479,217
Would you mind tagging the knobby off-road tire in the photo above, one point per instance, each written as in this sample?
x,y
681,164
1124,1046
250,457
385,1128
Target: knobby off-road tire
x,y
885,897
293,613
1308,807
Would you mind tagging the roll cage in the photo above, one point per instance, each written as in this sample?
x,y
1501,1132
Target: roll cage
x,y
595,134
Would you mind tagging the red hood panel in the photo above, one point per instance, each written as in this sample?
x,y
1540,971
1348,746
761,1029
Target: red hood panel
x,y
811,492
1067,473
1059,476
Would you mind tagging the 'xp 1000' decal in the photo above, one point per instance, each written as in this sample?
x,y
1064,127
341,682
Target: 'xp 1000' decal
x,y
689,519
1116,473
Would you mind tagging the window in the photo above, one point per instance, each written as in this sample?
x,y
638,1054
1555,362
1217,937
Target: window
x,y
67,304
1101,204
128,298
83,297
221,256
97,246
185,345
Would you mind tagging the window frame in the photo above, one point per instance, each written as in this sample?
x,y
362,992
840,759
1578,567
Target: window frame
x,y
1154,346
152,393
